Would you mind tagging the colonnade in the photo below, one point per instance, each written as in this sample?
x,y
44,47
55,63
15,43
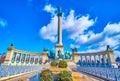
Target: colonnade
x,y
20,57
26,58
95,57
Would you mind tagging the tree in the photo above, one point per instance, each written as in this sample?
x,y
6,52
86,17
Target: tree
x,y
62,64
65,76
54,63
46,75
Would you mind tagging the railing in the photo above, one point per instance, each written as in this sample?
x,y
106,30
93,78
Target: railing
x,y
8,70
112,74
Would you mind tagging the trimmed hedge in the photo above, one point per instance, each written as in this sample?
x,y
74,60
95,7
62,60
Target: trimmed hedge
x,y
46,75
54,63
62,64
65,76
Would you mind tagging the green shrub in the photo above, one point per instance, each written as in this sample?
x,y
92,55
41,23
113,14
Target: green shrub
x,y
54,63
65,76
46,75
62,64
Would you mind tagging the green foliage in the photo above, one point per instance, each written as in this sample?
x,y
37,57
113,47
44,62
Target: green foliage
x,y
65,76
46,75
54,63
62,64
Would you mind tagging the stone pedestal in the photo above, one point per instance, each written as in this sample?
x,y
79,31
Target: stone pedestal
x,y
59,47
44,56
9,55
75,56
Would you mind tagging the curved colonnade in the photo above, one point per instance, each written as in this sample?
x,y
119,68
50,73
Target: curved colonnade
x,y
20,57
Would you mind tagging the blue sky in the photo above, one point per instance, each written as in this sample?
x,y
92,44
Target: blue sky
x,y
88,25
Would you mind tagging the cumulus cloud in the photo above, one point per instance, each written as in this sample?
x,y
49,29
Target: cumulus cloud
x,y
50,9
73,25
3,22
77,29
76,25
98,42
50,31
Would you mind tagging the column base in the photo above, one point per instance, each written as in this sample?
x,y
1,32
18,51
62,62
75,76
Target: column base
x,y
59,47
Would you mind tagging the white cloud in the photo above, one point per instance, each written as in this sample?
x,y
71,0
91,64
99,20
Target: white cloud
x,y
73,46
50,9
77,29
112,29
116,53
98,42
50,31
110,33
76,25
73,25
3,22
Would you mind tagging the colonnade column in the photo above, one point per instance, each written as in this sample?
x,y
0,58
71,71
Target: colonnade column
x,y
95,58
90,59
34,59
15,56
81,58
86,59
38,60
99,58
25,58
20,58
29,59
104,57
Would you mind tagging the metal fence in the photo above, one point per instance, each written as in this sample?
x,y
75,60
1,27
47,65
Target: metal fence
x,y
112,74
8,70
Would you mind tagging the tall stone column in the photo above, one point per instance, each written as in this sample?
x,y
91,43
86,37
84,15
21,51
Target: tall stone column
x,y
9,55
59,45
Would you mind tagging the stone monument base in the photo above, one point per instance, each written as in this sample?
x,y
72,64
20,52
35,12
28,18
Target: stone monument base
x,y
59,47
